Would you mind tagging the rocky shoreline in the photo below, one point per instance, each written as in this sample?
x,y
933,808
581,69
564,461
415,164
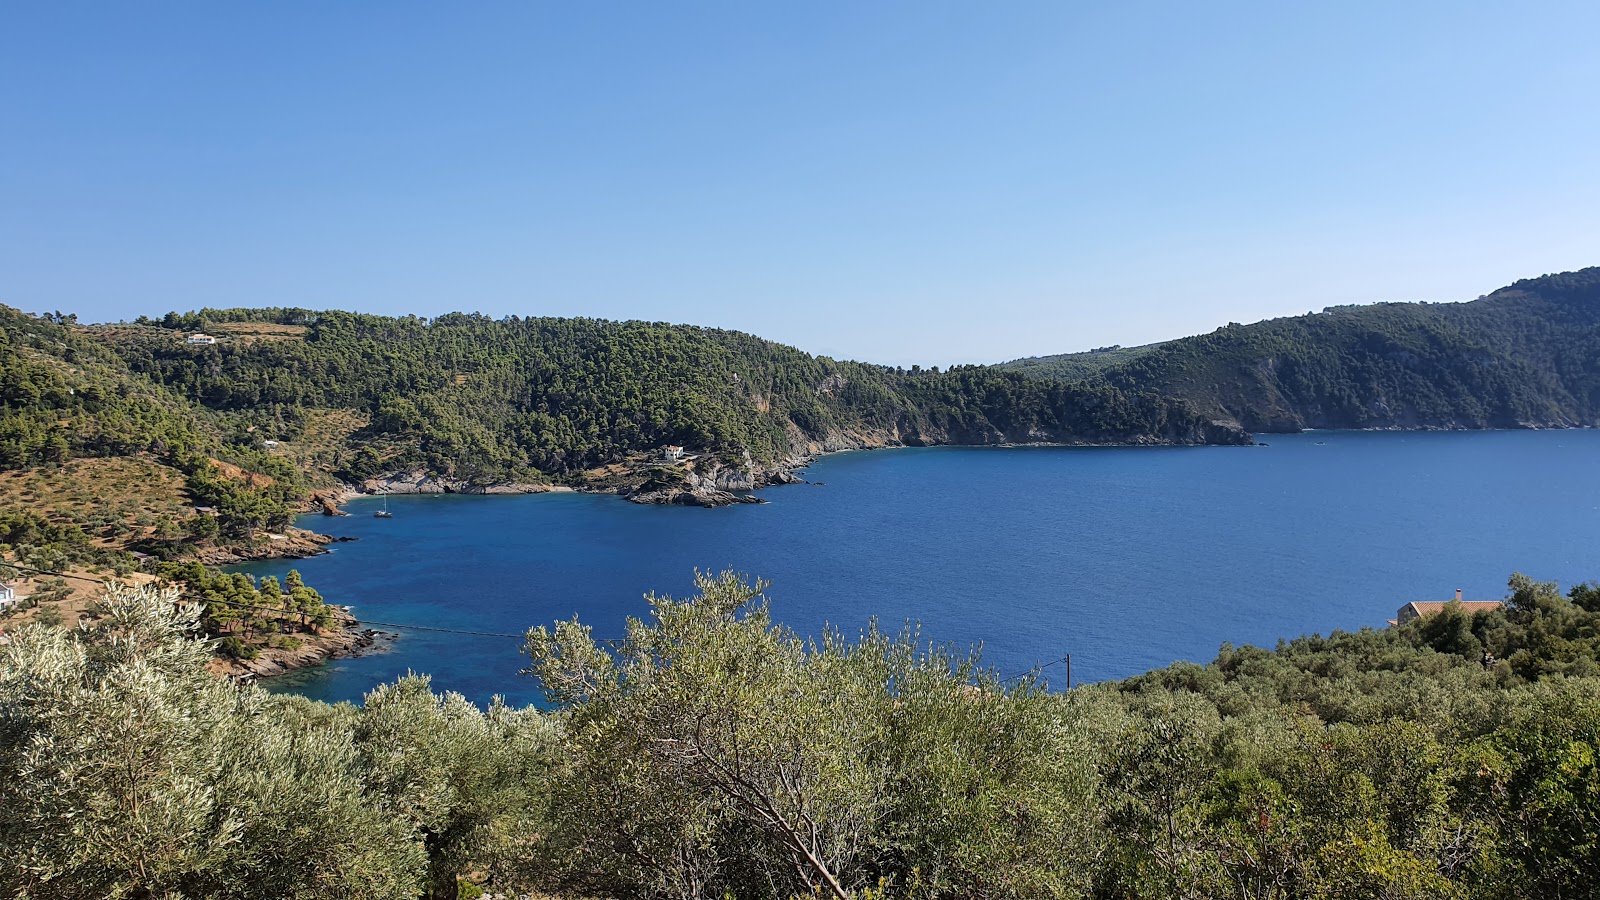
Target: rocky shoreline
x,y
707,479
344,640
293,543
329,502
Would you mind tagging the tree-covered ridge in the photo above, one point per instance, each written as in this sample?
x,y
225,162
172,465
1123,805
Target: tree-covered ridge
x,y
1525,355
714,753
65,395
486,400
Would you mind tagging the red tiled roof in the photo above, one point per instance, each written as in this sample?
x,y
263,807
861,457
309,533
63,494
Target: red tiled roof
x,y
1432,607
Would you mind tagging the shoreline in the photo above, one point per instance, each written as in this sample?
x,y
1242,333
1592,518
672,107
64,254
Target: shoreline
x,y
345,640
725,486
720,486
868,471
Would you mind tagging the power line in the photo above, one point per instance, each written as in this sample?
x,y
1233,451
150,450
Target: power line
x,y
1033,671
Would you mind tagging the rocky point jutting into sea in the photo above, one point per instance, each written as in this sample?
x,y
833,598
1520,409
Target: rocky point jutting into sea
x,y
697,477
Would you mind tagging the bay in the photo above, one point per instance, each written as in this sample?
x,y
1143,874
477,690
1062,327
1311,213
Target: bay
x,y
1126,558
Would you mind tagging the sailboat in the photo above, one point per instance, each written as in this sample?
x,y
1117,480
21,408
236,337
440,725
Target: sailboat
x,y
384,513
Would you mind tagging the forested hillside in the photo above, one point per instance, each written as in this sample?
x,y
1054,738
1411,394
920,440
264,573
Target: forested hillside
x,y
1527,355
486,400
287,400
230,438
714,754
66,400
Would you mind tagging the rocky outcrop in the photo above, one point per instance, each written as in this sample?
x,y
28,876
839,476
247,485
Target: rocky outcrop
x,y
423,483
345,639
689,496
295,543
326,503
707,480
700,482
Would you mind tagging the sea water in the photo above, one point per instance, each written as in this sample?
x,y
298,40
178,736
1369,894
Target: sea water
x,y
1124,558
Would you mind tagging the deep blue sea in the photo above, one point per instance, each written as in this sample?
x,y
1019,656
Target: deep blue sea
x,y
1126,558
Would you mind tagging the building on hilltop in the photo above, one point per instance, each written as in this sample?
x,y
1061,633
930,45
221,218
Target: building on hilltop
x,y
8,595
1421,609
672,451
198,338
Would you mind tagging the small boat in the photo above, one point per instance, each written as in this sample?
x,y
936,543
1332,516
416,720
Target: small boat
x,y
384,513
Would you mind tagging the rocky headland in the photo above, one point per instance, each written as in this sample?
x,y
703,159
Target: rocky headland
x,y
714,480
343,639
292,543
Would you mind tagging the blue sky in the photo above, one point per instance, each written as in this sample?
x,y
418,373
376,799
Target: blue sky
x,y
918,182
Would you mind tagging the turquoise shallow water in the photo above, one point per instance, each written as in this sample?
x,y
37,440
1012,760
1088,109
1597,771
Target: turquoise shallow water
x,y
1126,558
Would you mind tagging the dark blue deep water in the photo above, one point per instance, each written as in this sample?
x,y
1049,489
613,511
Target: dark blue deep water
x,y
1126,558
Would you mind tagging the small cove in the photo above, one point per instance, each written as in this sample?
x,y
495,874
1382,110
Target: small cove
x,y
1127,558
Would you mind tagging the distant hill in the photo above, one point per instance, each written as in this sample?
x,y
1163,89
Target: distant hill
x,y
1527,355
488,400
285,401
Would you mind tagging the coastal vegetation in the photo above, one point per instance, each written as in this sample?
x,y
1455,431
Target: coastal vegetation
x,y
126,447
712,753
117,464
289,401
233,437
1527,355
486,400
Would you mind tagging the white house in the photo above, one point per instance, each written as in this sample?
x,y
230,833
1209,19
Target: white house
x,y
7,595
672,451
198,338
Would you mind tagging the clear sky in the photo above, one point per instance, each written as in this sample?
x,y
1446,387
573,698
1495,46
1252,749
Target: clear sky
x,y
900,182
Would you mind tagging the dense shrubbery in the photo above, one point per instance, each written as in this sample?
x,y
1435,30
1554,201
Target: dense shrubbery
x,y
713,754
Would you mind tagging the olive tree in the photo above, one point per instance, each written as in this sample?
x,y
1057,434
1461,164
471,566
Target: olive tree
x,y
466,782
713,752
126,770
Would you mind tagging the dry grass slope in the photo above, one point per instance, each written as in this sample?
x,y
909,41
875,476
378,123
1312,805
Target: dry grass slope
x,y
117,501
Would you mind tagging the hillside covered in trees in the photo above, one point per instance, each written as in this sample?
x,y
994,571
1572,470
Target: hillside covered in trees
x,y
288,401
485,400
1527,355
714,754
96,461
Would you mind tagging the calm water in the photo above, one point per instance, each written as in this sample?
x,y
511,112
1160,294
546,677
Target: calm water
x,y
1126,558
